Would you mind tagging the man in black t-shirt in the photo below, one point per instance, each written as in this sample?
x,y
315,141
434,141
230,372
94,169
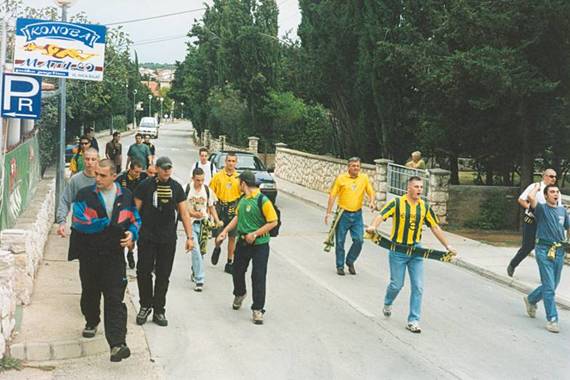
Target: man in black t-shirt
x,y
159,200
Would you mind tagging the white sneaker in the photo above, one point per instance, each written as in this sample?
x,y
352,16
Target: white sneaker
x,y
387,310
553,327
530,307
414,326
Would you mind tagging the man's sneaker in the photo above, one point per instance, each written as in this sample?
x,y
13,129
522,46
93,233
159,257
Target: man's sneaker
x,y
530,307
387,310
351,269
510,270
160,319
119,353
198,287
340,271
414,326
131,260
257,317
238,300
89,331
216,255
553,327
143,314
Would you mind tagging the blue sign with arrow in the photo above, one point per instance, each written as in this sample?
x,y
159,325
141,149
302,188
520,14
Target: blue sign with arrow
x,y
21,96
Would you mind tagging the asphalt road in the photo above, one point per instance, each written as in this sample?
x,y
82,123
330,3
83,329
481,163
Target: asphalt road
x,y
322,326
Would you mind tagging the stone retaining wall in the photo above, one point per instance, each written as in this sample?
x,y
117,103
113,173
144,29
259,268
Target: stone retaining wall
x,y
21,251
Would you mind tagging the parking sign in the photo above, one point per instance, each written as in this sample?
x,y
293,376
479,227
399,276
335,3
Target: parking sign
x,y
21,96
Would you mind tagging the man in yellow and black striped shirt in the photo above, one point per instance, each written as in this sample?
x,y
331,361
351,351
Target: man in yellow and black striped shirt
x,y
409,213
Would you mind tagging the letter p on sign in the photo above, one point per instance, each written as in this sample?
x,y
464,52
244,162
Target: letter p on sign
x,y
21,96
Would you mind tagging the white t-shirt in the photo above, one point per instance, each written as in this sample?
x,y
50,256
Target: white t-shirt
x,y
539,195
197,199
209,171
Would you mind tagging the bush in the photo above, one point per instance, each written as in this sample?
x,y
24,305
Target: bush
x,y
492,216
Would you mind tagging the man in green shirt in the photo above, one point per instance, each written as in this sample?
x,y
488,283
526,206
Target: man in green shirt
x,y
139,152
253,225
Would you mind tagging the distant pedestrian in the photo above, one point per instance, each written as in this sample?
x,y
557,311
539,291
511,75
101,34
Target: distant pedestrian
x,y
130,179
552,221
416,161
159,200
529,225
202,211
76,164
114,151
207,166
350,188
90,132
252,225
105,221
77,182
226,186
151,171
139,151
409,213
152,149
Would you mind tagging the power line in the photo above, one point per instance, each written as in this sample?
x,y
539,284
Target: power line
x,y
155,17
147,42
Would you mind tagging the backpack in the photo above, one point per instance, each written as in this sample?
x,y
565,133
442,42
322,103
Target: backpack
x,y
187,191
275,231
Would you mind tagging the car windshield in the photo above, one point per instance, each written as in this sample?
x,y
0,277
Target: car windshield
x,y
244,162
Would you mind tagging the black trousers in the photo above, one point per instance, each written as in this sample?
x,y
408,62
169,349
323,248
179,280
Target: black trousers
x,y
528,242
104,275
259,255
160,258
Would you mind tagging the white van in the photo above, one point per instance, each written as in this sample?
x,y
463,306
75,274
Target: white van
x,y
149,126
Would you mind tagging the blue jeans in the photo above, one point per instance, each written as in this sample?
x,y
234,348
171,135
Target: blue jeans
x,y
349,221
550,271
197,260
398,263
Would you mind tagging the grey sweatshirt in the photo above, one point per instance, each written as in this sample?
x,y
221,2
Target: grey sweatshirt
x,y
76,183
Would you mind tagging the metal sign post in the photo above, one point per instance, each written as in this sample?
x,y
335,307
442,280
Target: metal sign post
x,y
60,164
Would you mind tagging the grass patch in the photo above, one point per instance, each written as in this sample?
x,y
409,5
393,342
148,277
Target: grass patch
x,y
8,363
503,238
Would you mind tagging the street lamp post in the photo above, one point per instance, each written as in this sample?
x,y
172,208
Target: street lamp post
x,y
161,113
60,163
135,108
150,105
182,110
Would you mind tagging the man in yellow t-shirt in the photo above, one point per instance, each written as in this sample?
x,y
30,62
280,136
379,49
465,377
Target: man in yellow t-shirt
x,y
226,185
350,188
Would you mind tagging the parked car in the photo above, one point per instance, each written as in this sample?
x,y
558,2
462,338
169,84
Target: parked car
x,y
149,126
249,161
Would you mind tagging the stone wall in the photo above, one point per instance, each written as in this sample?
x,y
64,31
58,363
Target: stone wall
x,y
466,203
21,251
311,170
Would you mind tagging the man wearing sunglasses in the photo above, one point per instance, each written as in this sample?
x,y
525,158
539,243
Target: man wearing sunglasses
x,y
529,224
350,188
77,163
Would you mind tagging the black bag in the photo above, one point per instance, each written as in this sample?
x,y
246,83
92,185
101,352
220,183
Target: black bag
x,y
275,231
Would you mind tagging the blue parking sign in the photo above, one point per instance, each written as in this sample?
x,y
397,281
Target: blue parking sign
x,y
21,96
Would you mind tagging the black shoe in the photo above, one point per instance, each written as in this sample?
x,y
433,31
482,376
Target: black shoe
x,y
351,269
160,319
131,260
119,353
89,331
216,255
229,268
510,271
340,271
143,314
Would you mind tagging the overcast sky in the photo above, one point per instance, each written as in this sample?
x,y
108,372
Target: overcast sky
x,y
108,11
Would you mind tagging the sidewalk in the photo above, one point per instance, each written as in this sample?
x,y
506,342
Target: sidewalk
x,y
488,261
52,323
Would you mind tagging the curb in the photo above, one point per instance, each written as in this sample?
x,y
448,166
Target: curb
x,y
501,279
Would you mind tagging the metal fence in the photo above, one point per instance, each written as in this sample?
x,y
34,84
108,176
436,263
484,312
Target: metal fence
x,y
398,176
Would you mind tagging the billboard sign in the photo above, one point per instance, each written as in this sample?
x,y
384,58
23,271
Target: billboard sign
x,y
59,49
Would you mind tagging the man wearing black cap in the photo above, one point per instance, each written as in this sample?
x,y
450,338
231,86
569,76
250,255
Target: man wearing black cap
x,y
253,224
159,200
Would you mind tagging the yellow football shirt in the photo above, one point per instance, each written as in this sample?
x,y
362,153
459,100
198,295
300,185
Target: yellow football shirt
x,y
351,191
225,186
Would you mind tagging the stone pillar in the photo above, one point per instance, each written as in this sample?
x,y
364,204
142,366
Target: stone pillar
x,y
27,126
438,193
14,131
206,139
223,139
279,159
253,143
381,181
